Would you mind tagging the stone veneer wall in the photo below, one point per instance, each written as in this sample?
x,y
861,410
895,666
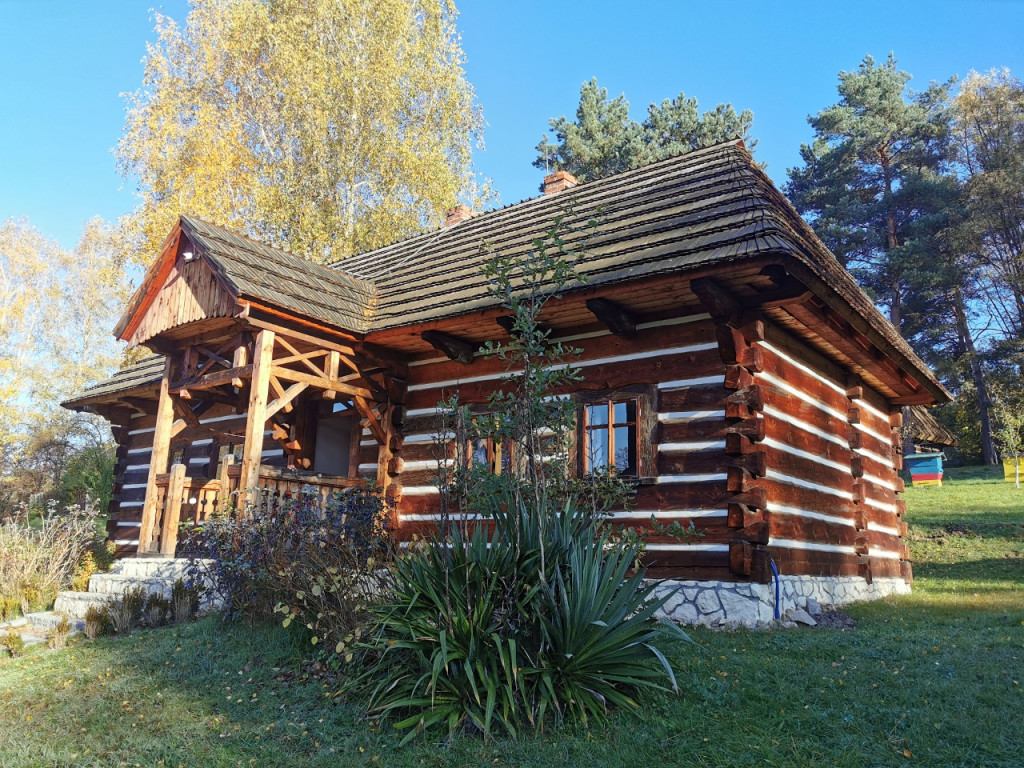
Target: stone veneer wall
x,y
731,604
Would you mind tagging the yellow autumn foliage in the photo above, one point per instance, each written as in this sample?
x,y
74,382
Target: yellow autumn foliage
x,y
321,126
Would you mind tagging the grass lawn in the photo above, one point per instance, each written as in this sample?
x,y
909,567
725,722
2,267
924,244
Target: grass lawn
x,y
932,679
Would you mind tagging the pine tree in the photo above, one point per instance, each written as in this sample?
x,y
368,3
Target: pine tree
x,y
874,177
604,139
877,185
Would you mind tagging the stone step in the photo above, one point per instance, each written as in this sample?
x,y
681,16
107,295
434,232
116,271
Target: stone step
x,y
154,567
47,620
75,604
115,584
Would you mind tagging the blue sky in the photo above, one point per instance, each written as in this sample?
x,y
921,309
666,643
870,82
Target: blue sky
x,y
64,64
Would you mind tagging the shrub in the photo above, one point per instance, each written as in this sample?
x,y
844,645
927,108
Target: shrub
x,y
97,622
314,566
36,562
58,637
159,610
126,612
184,603
97,558
12,642
536,619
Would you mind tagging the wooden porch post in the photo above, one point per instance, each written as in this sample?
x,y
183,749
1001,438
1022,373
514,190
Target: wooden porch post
x,y
172,512
158,459
256,421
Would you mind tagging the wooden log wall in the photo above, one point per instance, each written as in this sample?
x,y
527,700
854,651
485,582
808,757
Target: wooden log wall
x,y
135,445
676,363
831,454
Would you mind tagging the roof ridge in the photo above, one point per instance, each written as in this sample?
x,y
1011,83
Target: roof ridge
x,y
481,217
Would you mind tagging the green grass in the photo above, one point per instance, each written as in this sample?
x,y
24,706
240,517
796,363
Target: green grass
x,y
934,679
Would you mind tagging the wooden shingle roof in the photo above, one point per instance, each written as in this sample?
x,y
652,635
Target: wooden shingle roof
x,y
712,207
283,279
141,375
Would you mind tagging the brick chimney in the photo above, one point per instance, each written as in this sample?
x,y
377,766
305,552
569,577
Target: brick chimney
x,y
459,213
557,181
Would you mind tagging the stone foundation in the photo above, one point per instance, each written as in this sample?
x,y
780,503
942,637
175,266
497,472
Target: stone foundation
x,y
738,604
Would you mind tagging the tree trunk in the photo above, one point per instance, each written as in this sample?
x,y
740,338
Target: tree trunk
x,y
988,450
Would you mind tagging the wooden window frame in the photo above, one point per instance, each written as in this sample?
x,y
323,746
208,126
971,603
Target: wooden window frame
x,y
645,420
498,457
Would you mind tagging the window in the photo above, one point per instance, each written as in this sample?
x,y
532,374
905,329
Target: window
x,y
610,437
496,456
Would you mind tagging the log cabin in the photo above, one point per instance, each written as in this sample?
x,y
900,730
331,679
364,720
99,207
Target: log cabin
x,y
747,384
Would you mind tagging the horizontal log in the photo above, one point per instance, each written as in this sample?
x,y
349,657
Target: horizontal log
x,y
648,340
803,562
597,377
709,462
796,528
808,470
791,414
322,382
214,379
691,430
808,499
694,573
692,399
805,382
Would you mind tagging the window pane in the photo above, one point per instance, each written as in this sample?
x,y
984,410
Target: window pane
x,y
625,413
479,451
598,458
597,414
625,450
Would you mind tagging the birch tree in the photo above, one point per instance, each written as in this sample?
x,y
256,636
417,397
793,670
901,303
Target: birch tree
x,y
57,307
321,126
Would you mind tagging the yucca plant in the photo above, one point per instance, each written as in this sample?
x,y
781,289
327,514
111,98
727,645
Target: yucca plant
x,y
479,634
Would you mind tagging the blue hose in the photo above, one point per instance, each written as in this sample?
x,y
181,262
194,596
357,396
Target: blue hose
x,y
775,572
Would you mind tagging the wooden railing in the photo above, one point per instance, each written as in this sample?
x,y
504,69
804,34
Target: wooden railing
x,y
181,498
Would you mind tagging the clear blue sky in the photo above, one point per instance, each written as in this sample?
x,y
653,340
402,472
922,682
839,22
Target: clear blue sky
x,y
64,64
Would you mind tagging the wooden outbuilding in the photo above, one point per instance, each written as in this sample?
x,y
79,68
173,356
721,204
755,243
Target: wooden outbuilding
x,y
758,389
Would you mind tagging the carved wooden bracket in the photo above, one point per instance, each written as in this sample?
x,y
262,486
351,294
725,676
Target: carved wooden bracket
x,y
619,320
453,347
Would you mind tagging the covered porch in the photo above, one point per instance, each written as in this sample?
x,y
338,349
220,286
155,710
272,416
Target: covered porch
x,y
267,384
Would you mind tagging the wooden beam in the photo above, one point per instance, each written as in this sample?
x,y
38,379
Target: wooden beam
x,y
137,404
256,420
322,383
372,423
331,370
158,459
240,360
717,301
454,347
214,379
616,318
297,356
309,339
285,398
508,322
184,411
